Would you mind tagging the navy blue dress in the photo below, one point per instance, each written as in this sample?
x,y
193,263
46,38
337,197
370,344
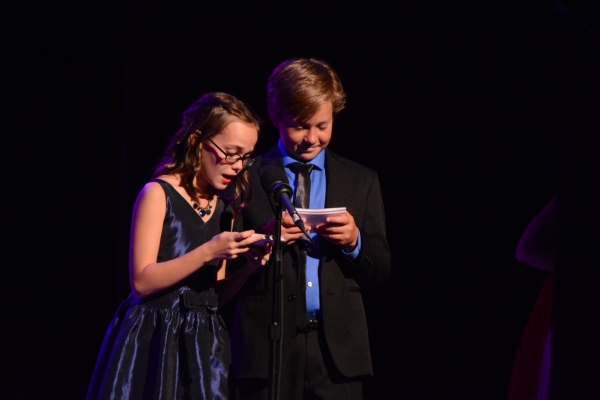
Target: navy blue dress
x,y
172,344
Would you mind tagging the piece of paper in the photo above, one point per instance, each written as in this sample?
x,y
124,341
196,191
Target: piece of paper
x,y
319,216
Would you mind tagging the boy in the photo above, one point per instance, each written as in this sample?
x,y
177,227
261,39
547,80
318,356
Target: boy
x,y
324,343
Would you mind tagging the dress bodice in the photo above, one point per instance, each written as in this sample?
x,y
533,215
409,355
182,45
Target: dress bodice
x,y
184,230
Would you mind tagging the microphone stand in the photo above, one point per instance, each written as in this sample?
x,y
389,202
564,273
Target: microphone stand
x,y
274,182
276,327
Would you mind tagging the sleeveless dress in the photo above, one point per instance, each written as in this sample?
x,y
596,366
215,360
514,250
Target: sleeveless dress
x,y
172,344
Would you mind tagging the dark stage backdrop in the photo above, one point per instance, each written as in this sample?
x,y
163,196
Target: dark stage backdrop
x,y
455,105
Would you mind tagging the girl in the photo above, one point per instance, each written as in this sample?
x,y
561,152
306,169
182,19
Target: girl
x,y
167,340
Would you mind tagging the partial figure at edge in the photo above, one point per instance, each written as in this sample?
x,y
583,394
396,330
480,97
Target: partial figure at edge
x,y
530,376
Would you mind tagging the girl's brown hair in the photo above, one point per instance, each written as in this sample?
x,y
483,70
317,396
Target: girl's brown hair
x,y
205,118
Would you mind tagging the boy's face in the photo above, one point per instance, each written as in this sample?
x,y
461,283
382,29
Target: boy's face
x,y
305,140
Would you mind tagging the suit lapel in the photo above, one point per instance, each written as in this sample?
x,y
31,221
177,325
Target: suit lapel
x,y
337,181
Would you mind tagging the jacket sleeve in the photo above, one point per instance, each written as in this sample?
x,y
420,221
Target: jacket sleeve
x,y
373,265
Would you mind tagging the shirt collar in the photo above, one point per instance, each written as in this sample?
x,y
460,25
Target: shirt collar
x,y
318,161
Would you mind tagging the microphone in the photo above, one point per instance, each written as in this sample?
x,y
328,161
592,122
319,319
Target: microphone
x,y
274,182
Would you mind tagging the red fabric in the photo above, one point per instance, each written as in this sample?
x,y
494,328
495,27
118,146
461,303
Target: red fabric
x,y
525,375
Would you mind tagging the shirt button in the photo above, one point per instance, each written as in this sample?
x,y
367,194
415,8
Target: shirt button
x,y
309,284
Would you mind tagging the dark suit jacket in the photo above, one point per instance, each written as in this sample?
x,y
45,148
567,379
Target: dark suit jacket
x,y
341,281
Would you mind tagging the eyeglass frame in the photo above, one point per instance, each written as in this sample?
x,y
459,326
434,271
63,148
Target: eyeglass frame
x,y
246,161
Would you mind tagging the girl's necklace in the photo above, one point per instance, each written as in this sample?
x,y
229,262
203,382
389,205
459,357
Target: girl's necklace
x,y
203,210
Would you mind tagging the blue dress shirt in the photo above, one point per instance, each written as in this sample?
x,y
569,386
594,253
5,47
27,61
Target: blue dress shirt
x,y
318,186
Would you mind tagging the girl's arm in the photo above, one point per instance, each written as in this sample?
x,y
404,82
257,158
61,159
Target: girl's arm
x,y
256,258
148,276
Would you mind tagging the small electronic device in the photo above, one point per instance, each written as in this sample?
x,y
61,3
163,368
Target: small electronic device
x,y
265,239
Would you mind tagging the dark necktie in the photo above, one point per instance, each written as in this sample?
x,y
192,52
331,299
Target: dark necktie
x,y
302,200
302,171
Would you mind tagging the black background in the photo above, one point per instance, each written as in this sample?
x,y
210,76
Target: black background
x,y
455,104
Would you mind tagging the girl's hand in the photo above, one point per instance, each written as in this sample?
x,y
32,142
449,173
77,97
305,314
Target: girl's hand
x,y
289,231
258,256
229,245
